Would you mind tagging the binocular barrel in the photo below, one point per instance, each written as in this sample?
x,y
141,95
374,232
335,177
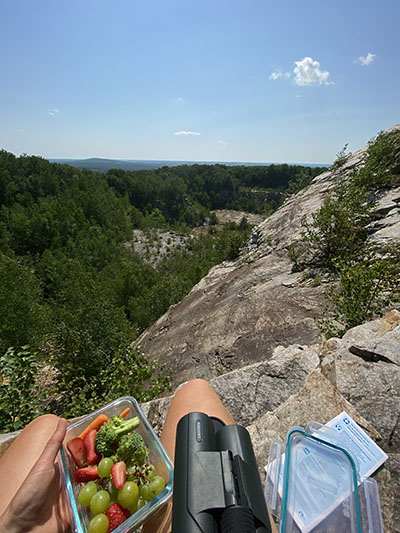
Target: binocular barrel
x,y
217,487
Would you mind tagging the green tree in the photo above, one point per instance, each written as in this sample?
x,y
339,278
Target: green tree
x,y
128,372
338,229
366,287
341,158
337,235
90,327
24,316
20,397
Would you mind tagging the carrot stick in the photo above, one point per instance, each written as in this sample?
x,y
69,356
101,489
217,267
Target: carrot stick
x,y
97,422
125,412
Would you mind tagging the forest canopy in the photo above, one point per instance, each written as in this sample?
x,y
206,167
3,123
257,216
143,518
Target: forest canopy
x,y
73,296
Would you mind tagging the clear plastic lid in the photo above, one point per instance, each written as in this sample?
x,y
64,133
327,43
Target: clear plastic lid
x,y
319,485
313,486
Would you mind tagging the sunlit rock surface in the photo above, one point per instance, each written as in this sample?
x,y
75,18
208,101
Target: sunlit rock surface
x,y
359,374
242,310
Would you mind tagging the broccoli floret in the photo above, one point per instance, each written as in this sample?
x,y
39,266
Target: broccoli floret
x,y
132,449
111,432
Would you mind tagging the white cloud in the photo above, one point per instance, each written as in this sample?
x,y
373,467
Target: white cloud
x,y
275,75
367,60
308,72
183,132
279,74
54,112
222,143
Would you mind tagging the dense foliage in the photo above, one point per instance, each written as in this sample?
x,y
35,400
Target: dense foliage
x,y
366,287
336,237
339,228
73,297
185,193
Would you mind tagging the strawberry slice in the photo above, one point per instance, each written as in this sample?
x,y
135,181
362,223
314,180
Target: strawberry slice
x,y
90,444
85,474
118,474
116,515
77,449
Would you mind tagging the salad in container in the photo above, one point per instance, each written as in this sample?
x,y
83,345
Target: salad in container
x,y
115,470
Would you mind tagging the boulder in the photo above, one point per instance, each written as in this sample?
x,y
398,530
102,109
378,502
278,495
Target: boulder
x,y
317,400
250,392
365,367
393,465
359,373
320,401
253,390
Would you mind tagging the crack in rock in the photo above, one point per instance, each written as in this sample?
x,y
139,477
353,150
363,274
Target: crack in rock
x,y
368,355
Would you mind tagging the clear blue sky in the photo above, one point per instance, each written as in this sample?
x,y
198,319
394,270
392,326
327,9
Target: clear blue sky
x,y
220,80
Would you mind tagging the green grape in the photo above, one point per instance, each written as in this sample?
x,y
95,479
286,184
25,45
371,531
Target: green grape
x,y
133,509
104,468
135,471
129,494
156,485
141,503
86,493
113,491
150,471
98,524
144,492
100,502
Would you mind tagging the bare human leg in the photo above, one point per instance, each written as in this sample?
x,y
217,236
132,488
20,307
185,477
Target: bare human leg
x,y
196,395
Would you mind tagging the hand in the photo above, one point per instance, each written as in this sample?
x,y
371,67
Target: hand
x,y
40,500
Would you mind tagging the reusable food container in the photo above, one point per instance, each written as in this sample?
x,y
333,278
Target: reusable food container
x,y
314,486
157,456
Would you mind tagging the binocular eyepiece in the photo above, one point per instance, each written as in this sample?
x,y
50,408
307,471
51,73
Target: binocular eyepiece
x,y
217,487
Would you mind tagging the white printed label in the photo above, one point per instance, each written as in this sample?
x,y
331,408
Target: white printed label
x,y
368,456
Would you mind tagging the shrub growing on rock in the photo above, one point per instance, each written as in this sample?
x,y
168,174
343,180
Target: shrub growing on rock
x,y
337,233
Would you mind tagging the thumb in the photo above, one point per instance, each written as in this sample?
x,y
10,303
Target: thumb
x,y
53,445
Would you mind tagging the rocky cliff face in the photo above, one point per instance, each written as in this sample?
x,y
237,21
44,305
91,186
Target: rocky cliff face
x,y
359,374
250,328
243,309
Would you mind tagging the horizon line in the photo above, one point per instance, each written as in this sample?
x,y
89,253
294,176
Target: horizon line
x,y
188,161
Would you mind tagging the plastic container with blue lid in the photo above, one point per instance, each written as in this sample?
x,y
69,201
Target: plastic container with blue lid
x,y
314,486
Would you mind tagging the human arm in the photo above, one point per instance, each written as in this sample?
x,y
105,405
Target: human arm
x,y
38,503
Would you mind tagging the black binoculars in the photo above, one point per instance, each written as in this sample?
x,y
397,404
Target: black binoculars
x,y
217,487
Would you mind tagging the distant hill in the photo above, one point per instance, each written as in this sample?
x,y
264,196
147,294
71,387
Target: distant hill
x,y
99,164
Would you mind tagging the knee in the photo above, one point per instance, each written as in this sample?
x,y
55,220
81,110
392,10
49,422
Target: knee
x,y
43,422
196,386
198,382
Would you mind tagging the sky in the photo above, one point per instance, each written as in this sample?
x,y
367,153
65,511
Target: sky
x,y
197,80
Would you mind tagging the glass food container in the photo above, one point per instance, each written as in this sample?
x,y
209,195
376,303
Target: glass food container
x,y
157,456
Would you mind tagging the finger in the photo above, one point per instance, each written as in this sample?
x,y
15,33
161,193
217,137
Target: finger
x,y
53,445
